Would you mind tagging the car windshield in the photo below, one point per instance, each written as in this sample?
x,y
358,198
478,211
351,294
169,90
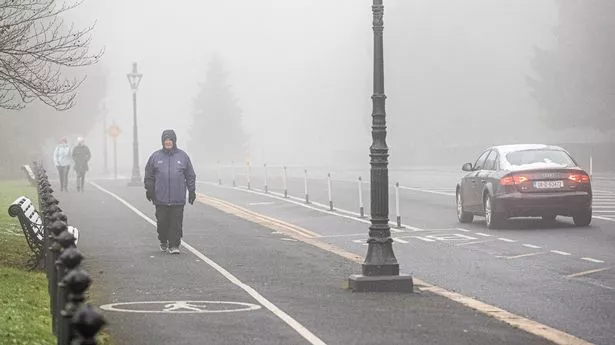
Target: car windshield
x,y
540,158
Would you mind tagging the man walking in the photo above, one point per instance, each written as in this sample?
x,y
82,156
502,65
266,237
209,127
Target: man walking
x,y
81,157
168,173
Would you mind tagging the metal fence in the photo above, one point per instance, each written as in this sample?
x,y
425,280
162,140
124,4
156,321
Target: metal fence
x,y
74,322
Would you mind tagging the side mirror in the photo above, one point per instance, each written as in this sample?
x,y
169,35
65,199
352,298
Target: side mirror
x,y
467,167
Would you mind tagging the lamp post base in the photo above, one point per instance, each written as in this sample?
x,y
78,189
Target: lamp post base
x,y
394,283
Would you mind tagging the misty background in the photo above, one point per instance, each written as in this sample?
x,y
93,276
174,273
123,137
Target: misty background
x,y
456,78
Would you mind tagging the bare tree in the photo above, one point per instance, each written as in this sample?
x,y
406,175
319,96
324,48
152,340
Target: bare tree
x,y
35,48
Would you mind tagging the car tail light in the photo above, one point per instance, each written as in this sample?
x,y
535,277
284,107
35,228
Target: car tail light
x,y
512,180
579,178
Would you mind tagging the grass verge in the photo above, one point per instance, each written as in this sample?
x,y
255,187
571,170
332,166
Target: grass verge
x,y
24,301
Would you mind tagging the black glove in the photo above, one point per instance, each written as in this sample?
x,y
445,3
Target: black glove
x,y
149,195
191,197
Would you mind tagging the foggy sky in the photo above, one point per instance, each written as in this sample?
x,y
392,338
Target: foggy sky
x,y
302,69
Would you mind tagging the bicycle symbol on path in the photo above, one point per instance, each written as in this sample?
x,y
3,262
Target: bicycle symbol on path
x,y
180,307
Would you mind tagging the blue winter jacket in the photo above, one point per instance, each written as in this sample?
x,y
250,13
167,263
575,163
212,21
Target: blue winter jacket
x,y
168,174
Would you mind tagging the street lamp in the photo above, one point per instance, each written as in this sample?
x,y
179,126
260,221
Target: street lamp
x,y
134,79
380,270
104,124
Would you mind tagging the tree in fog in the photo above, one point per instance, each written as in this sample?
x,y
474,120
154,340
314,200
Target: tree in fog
x,y
36,47
217,133
28,130
575,82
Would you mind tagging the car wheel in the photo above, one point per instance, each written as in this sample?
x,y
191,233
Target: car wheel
x,y
549,218
492,218
463,216
583,219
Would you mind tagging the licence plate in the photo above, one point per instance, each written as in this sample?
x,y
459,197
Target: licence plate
x,y
548,184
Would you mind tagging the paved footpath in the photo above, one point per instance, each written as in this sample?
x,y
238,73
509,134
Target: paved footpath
x,y
237,282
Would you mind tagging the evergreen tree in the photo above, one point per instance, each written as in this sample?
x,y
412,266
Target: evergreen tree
x,y
216,133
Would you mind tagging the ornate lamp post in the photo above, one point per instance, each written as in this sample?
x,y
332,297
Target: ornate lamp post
x,y
380,269
134,79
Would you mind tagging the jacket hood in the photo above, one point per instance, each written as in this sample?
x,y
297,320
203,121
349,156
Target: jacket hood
x,y
169,134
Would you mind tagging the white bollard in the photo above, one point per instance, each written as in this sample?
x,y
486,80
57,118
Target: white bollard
x,y
591,166
233,173
249,176
266,182
361,208
218,170
284,179
397,205
305,181
329,191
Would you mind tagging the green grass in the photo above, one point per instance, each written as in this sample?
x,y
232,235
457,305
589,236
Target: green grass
x,y
25,318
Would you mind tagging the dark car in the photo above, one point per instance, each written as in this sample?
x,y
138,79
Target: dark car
x,y
524,181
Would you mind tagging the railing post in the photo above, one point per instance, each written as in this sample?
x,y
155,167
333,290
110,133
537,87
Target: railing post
x,y
305,182
219,175
266,181
249,176
361,208
397,205
285,180
329,192
233,173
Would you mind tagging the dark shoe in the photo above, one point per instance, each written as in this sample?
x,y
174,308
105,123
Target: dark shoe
x,y
164,246
174,250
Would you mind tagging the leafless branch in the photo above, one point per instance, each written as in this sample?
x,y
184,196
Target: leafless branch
x,y
35,47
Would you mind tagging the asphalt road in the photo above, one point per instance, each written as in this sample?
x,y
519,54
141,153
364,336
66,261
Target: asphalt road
x,y
239,282
556,274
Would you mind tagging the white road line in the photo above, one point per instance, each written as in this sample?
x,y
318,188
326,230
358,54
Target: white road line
x,y
399,240
520,255
532,246
464,230
424,239
475,242
560,252
604,218
506,240
584,273
593,260
481,234
304,332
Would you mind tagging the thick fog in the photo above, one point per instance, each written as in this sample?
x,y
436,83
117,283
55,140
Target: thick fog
x,y
301,71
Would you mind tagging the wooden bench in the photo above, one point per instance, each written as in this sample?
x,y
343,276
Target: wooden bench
x,y
33,229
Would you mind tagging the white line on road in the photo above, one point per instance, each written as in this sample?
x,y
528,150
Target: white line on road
x,y
506,240
560,252
584,273
520,255
532,246
593,260
399,240
484,235
261,203
475,242
462,229
304,332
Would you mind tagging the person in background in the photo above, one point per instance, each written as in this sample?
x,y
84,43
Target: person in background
x,y
62,161
81,157
168,174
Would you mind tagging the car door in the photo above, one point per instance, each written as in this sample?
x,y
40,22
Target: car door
x,y
486,174
470,200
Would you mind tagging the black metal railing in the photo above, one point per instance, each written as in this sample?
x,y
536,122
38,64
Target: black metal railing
x,y
74,322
